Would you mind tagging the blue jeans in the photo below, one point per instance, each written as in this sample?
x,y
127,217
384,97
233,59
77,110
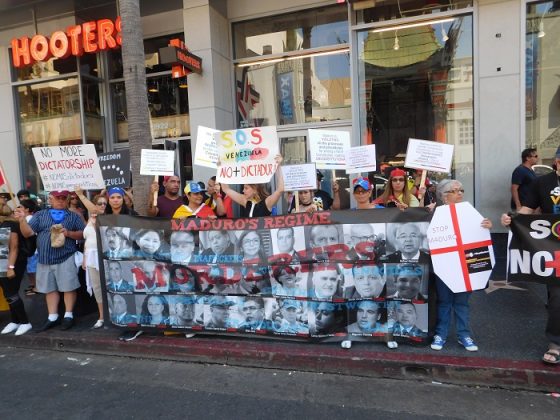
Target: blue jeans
x,y
458,303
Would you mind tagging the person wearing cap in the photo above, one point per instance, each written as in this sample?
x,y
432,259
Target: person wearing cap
x,y
289,309
56,271
116,202
256,201
368,315
397,193
196,207
183,311
167,203
219,312
326,199
362,190
544,194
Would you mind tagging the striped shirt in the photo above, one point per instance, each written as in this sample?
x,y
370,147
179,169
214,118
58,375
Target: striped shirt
x,y
41,223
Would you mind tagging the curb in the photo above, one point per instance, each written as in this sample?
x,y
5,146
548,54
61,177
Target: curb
x,y
502,373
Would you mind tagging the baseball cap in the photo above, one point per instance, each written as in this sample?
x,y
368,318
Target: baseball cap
x,y
361,182
193,187
60,193
290,303
221,301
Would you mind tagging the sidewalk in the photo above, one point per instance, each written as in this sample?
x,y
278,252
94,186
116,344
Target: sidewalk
x,y
508,325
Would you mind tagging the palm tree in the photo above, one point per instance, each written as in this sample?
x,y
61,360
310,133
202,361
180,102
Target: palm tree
x,y
139,134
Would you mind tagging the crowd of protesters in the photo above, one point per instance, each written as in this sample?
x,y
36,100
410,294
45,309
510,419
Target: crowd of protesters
x,y
70,218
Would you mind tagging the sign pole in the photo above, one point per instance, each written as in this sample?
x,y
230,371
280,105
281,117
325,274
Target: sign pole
x,y
422,183
297,201
13,197
155,192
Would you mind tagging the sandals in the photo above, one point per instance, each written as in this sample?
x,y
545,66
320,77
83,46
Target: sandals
x,y
554,357
30,291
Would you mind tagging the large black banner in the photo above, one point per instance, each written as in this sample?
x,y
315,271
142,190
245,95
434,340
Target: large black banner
x,y
359,275
534,249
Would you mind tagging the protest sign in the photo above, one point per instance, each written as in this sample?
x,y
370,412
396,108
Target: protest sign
x,y
361,159
115,167
328,147
281,264
299,177
534,249
429,155
247,155
462,252
206,152
64,167
157,162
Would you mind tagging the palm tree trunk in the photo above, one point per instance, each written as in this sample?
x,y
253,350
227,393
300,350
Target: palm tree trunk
x,y
139,134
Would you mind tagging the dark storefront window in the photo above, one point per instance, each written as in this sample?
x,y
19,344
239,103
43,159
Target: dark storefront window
x,y
416,81
542,66
41,70
391,10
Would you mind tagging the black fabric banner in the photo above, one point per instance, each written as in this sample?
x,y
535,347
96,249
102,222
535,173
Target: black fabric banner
x,y
534,249
359,275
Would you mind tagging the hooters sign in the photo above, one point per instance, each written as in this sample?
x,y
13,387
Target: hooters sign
x,y
462,253
89,37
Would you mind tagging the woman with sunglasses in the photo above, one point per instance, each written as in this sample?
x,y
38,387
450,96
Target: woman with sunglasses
x,y
90,263
450,191
397,193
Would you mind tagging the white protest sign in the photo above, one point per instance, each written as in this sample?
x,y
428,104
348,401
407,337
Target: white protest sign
x,y
361,159
247,155
64,167
461,250
157,162
299,177
328,147
429,155
206,152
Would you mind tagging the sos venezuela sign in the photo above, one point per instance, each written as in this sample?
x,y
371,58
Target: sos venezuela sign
x,y
89,37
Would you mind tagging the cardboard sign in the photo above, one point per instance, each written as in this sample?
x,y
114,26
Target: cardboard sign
x,y
361,159
462,252
299,177
115,167
157,162
247,155
328,148
64,167
206,152
429,155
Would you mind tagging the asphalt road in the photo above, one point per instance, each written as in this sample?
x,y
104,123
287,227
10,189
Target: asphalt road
x,y
59,385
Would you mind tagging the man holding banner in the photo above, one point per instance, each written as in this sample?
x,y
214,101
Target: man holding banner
x,y
545,194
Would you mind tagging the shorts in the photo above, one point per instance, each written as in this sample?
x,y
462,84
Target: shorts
x,y
32,264
61,277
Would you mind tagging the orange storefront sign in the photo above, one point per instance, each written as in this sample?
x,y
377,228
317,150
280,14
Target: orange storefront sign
x,y
89,37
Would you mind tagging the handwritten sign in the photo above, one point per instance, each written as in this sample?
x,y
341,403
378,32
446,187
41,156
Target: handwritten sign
x,y
328,148
115,167
206,152
361,159
461,249
429,155
64,167
157,162
247,155
300,177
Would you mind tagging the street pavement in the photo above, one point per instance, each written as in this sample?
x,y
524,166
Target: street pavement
x,y
60,385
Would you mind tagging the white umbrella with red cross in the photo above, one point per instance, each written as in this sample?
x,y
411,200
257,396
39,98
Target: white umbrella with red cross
x,y
461,250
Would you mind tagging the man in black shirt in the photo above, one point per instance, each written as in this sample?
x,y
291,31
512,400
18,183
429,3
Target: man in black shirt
x,y
545,194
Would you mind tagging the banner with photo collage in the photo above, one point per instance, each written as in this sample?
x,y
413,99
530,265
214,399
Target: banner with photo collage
x,y
327,276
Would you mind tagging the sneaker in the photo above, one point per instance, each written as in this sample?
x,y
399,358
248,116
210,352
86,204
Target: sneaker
x,y
30,291
48,325
23,328
437,343
468,343
11,327
130,335
346,344
189,335
67,323
98,324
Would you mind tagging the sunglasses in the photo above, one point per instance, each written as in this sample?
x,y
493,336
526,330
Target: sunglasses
x,y
101,203
397,179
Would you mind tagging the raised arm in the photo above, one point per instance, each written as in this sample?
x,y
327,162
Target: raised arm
x,y
85,201
273,198
235,196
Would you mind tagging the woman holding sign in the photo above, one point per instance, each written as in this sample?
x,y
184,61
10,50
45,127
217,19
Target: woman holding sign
x,y
256,201
450,191
397,193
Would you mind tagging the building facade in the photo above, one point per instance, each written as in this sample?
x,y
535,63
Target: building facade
x,y
478,74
